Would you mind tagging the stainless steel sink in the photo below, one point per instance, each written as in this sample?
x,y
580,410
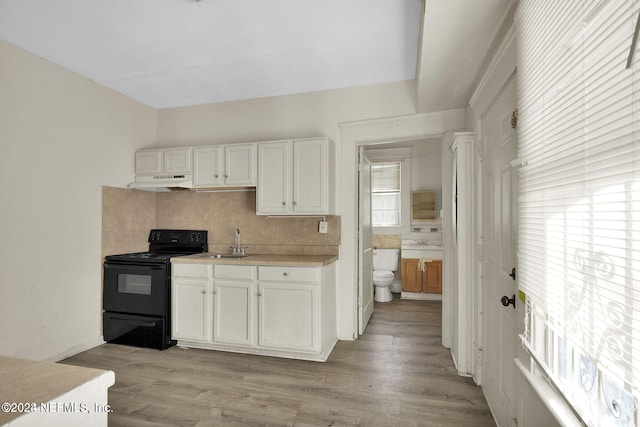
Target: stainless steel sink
x,y
228,256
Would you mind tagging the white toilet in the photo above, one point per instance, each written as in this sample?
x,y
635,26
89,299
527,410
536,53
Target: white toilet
x,y
385,263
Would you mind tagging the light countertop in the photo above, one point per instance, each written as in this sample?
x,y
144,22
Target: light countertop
x,y
27,381
267,260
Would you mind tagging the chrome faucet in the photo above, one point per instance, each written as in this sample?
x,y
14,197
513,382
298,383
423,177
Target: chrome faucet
x,y
238,249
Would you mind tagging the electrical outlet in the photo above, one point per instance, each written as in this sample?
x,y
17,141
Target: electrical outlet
x,y
323,227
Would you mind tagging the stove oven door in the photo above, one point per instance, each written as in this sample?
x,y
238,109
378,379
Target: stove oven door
x,y
136,289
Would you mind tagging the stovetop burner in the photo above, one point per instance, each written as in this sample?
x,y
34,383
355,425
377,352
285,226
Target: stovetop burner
x,y
145,257
165,244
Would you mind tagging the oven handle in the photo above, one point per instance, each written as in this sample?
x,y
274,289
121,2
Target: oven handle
x,y
137,266
147,324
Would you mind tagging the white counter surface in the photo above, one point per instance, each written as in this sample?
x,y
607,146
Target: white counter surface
x,y
27,386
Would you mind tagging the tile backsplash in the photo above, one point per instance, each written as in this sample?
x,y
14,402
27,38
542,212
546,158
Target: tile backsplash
x,y
387,241
221,213
127,217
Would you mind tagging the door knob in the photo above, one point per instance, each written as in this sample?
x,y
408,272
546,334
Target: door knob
x,y
506,301
513,273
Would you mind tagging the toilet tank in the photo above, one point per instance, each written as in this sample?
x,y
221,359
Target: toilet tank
x,y
385,259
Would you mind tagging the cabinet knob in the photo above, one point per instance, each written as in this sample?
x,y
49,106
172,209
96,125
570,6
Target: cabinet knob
x,y
226,176
295,203
204,292
284,203
216,175
259,294
285,274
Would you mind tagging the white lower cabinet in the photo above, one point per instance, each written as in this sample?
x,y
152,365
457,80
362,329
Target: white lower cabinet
x,y
191,302
234,305
275,311
289,316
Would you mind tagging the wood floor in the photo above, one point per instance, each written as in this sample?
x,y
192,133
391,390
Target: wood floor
x,y
396,374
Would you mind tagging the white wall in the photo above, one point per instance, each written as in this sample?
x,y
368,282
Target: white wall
x,y
426,164
62,137
292,116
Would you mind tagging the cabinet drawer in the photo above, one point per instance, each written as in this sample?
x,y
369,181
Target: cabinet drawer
x,y
191,270
289,274
237,272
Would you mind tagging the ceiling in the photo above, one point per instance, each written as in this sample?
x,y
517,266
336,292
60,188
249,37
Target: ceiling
x,y
173,53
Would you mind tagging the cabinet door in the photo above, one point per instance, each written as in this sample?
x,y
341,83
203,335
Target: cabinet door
x,y
411,275
273,178
432,279
310,181
240,164
234,312
177,160
207,162
149,162
288,317
190,308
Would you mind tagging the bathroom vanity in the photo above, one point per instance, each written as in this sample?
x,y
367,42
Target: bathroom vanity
x,y
274,305
421,269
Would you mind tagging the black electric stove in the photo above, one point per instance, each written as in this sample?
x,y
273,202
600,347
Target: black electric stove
x,y
137,289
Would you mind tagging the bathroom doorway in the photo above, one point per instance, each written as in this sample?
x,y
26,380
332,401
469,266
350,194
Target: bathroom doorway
x,y
420,169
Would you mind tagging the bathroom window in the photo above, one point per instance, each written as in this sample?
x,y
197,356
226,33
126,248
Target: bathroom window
x,y
385,194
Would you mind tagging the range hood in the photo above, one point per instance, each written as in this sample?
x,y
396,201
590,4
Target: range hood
x,y
162,182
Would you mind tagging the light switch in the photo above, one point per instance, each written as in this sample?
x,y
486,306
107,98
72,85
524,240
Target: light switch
x,y
323,227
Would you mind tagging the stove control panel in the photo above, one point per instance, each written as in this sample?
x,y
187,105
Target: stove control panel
x,y
197,237
178,236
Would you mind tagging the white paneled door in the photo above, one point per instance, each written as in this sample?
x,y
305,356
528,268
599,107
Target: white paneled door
x,y
500,225
365,245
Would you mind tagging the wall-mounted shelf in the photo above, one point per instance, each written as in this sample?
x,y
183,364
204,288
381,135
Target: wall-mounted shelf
x,y
423,205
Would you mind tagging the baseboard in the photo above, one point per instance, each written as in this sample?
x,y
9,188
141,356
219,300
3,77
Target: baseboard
x,y
72,351
455,363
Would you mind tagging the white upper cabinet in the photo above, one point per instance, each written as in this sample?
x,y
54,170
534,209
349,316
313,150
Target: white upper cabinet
x,y
310,176
294,177
224,165
274,176
177,160
149,162
169,161
207,164
240,164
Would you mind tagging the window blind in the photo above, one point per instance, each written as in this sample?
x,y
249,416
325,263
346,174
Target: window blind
x,y
385,176
579,204
385,197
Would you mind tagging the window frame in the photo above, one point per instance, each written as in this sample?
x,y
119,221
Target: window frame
x,y
402,155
